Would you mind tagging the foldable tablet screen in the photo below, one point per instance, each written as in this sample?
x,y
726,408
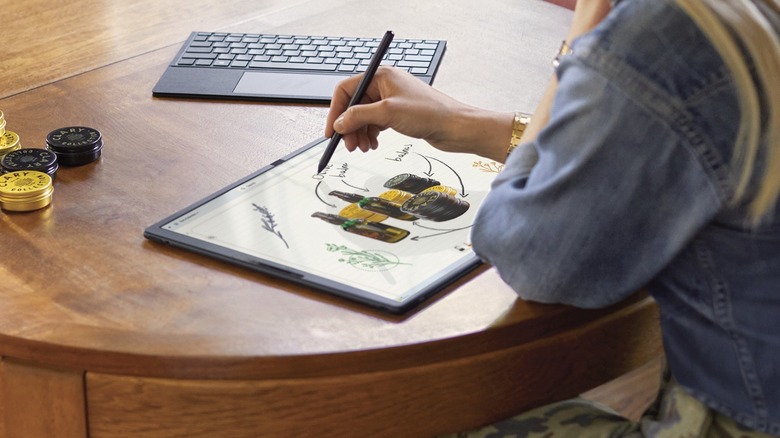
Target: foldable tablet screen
x,y
387,228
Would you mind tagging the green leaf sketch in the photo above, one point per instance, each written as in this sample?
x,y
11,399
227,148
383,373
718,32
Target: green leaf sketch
x,y
492,166
269,223
366,260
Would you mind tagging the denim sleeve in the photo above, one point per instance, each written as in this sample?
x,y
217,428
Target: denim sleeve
x,y
615,194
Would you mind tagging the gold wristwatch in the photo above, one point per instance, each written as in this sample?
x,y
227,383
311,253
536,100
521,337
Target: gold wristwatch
x,y
518,127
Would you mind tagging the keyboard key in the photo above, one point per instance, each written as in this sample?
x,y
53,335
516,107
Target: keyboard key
x,y
199,50
412,64
423,46
420,58
199,55
286,66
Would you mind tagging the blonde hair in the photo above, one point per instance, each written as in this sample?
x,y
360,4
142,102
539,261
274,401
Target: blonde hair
x,y
733,26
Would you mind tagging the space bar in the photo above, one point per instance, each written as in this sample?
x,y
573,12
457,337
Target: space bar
x,y
287,66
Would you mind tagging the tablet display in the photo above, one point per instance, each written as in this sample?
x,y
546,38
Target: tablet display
x,y
387,228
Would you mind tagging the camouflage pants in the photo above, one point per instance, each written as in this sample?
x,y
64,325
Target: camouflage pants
x,y
673,414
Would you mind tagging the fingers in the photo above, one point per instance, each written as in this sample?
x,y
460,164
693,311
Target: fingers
x,y
340,100
365,139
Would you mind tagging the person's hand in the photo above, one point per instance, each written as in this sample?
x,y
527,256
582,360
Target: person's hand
x,y
396,99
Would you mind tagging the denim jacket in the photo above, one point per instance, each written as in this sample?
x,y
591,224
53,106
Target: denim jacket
x,y
629,187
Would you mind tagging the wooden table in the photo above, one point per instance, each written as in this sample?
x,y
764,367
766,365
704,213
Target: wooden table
x,y
105,334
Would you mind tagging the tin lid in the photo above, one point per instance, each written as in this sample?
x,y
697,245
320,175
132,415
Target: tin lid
x,y
25,190
445,189
74,139
30,159
395,196
9,141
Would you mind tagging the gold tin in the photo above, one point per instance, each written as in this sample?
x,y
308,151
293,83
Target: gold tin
x,y
25,190
2,127
396,196
9,141
353,211
444,189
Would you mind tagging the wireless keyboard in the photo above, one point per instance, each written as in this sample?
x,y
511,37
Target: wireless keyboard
x,y
284,67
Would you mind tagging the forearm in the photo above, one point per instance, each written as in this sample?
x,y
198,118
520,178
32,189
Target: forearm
x,y
481,132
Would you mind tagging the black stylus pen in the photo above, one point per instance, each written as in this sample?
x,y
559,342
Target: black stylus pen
x,y
361,90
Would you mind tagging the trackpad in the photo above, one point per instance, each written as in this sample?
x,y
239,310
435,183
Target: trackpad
x,y
283,85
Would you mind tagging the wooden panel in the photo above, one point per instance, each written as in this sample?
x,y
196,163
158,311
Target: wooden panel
x,y
417,401
41,402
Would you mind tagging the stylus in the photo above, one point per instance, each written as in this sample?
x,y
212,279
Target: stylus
x,y
358,96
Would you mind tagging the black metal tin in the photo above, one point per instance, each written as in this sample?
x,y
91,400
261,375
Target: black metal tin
x,y
40,160
75,145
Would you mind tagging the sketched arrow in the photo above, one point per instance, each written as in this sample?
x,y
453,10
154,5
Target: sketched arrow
x,y
317,193
430,166
463,193
355,187
443,231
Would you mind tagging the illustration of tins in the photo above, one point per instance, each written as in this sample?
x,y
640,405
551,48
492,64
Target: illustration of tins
x,y
435,206
362,227
376,205
40,160
25,190
445,189
353,211
410,183
396,196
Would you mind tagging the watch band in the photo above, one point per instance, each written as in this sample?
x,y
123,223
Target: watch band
x,y
518,127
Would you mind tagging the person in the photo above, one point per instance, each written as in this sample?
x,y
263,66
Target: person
x,y
652,161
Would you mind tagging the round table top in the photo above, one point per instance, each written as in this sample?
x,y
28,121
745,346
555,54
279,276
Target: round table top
x,y
81,287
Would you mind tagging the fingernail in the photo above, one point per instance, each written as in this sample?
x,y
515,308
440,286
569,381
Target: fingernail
x,y
337,125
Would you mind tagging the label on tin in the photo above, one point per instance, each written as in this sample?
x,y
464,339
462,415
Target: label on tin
x,y
24,182
28,159
73,137
9,140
